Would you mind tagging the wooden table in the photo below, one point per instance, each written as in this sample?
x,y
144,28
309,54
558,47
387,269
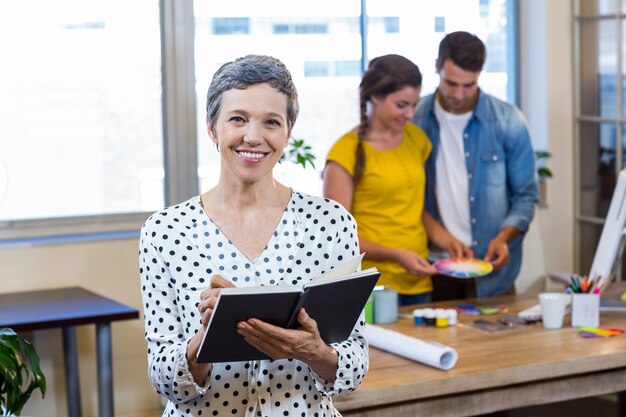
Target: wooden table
x,y
66,308
503,370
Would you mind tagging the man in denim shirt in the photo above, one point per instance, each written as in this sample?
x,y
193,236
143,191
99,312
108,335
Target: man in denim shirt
x,y
480,176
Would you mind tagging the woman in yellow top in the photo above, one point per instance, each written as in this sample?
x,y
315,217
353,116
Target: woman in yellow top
x,y
376,171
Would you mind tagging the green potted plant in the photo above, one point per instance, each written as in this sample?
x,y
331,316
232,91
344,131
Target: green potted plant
x,y
299,153
20,373
543,173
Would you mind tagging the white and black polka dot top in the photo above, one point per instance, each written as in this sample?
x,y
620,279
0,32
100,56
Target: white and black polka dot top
x,y
181,248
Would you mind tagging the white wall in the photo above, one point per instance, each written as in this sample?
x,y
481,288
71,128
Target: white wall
x,y
111,268
547,102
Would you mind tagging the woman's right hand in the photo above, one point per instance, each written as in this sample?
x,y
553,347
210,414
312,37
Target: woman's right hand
x,y
414,264
208,297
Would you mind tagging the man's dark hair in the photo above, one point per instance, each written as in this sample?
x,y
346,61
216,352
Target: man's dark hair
x,y
464,49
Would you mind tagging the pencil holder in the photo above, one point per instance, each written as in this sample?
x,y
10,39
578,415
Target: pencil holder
x,y
585,310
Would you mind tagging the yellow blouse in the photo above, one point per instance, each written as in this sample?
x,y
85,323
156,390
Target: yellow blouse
x,y
388,201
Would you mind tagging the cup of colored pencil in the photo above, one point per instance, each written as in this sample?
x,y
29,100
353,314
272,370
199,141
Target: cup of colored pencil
x,y
585,285
585,300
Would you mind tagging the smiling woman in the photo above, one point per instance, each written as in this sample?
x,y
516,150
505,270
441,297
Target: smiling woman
x,y
248,230
249,132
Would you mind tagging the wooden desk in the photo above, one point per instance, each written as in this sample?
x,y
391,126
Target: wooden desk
x,y
495,371
67,308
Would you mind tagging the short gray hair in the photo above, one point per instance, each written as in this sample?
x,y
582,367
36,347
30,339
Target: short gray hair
x,y
250,70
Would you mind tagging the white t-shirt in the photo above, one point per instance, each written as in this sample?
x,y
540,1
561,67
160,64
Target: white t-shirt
x,y
452,183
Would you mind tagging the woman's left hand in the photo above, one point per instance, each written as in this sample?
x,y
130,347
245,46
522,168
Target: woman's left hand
x,y
303,343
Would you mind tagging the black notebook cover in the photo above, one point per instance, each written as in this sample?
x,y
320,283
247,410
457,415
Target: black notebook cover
x,y
334,302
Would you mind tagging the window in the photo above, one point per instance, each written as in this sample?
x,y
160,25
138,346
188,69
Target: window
x,y
103,101
300,28
231,26
320,43
600,133
440,24
348,68
383,24
316,69
81,133
392,24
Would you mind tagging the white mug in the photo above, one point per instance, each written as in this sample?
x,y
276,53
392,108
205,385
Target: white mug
x,y
553,306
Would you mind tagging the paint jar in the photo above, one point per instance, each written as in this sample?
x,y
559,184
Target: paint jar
x,y
452,317
441,317
418,316
429,317
385,305
369,309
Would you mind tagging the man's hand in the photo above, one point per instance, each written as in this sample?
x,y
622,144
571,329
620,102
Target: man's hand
x,y
497,253
498,249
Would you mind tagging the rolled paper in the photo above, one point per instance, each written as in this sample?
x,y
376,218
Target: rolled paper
x,y
429,353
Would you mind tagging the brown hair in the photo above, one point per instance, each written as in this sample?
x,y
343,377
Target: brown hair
x,y
385,75
464,49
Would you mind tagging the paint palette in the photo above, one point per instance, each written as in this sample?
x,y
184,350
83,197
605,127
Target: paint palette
x,y
463,267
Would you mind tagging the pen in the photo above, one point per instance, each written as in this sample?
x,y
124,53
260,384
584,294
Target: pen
x,y
594,284
597,289
599,284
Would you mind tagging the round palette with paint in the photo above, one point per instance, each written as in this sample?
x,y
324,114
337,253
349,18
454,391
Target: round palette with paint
x,y
463,267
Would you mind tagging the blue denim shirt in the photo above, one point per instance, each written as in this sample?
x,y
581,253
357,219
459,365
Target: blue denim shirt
x,y
501,173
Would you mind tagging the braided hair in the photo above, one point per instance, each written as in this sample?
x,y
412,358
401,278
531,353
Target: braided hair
x,y
385,75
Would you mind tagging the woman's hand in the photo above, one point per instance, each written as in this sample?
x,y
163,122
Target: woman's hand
x,y
208,297
413,263
303,343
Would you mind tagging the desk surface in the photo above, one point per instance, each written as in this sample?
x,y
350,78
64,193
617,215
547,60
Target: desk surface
x,y
35,310
507,369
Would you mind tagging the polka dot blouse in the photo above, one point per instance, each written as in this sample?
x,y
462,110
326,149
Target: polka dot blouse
x,y
181,248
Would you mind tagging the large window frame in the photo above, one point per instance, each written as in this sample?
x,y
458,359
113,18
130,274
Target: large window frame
x,y
590,123
179,145
179,134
